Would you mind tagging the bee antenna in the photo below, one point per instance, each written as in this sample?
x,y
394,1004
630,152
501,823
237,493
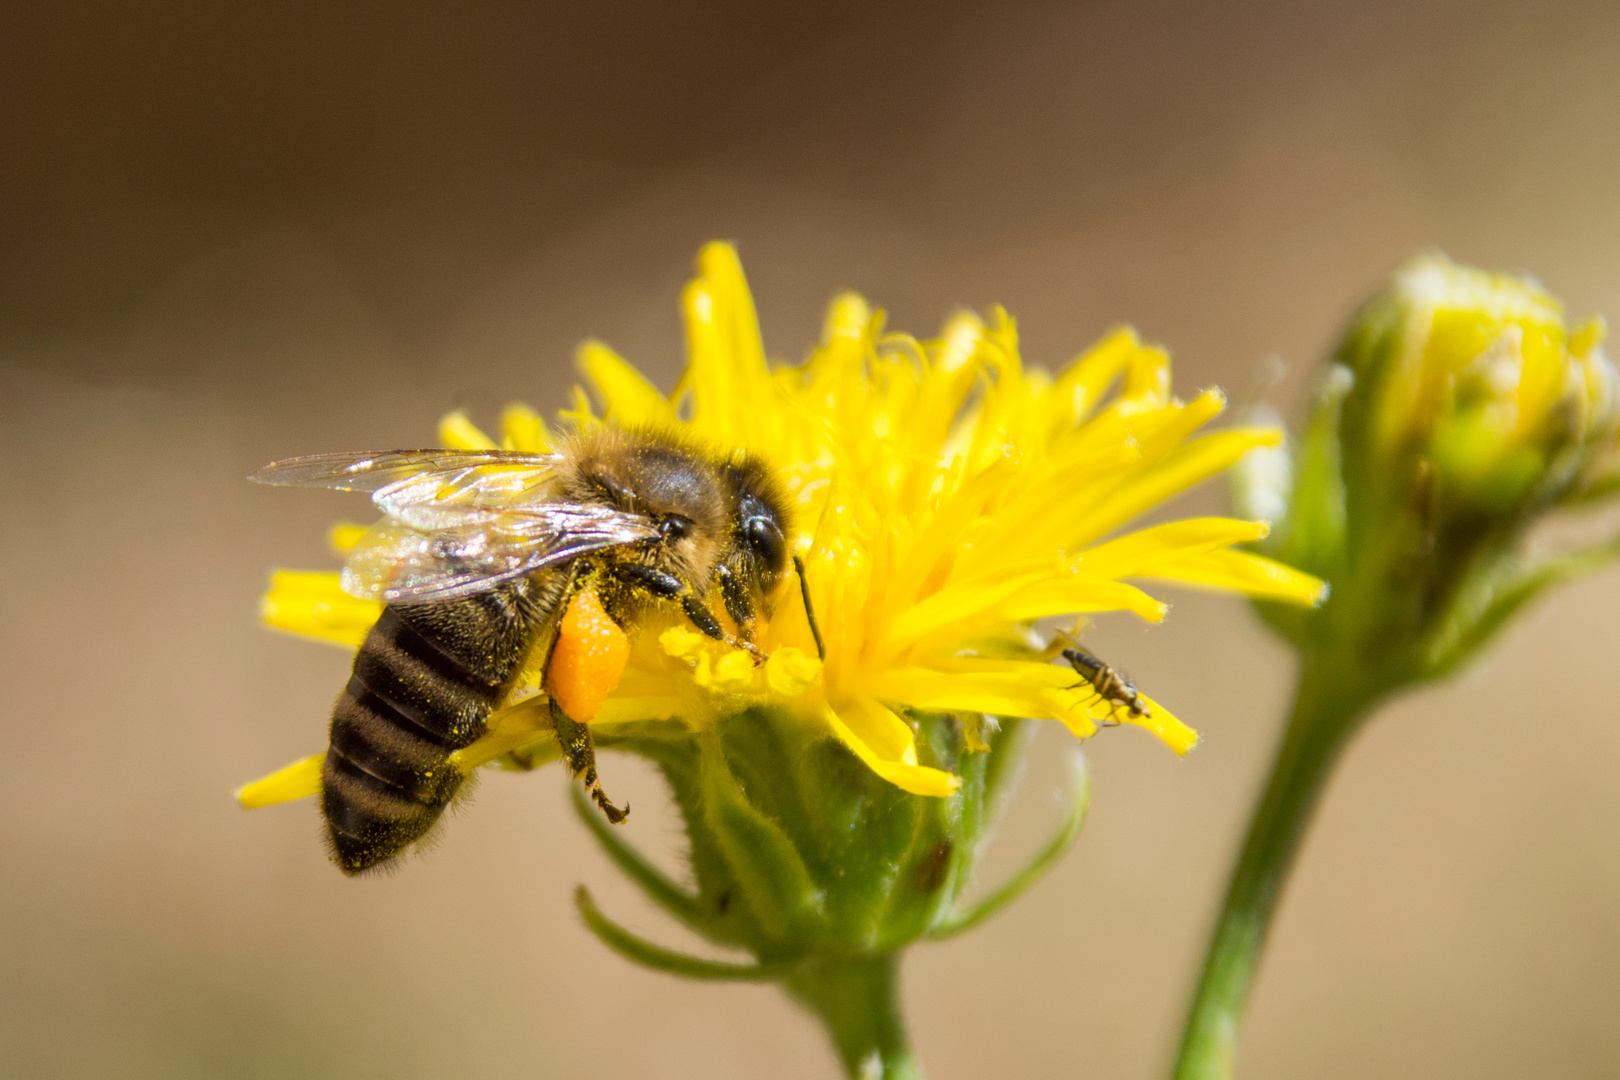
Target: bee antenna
x,y
809,612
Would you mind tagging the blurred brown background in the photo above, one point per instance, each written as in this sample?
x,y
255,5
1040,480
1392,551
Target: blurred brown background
x,y
230,233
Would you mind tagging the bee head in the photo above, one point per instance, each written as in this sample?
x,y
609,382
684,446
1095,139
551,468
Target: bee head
x,y
759,551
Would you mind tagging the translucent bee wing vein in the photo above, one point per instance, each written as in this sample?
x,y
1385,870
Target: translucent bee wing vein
x,y
373,471
396,562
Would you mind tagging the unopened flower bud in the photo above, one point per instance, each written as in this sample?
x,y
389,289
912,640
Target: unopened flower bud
x,y
1458,410
1469,382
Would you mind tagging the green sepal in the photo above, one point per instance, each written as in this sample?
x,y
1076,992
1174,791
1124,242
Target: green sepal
x,y
658,887
1312,536
1494,595
638,949
1596,489
966,918
797,848
775,884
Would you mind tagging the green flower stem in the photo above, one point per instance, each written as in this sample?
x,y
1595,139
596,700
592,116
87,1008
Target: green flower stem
x,y
1334,693
857,999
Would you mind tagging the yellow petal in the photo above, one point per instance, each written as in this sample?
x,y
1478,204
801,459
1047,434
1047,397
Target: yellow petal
x,y
726,370
509,727
917,779
1180,469
315,605
1175,425
343,536
460,433
879,728
298,780
627,397
1245,572
955,604
524,429
848,317
1088,376
1137,553
1163,723
1019,691
1074,595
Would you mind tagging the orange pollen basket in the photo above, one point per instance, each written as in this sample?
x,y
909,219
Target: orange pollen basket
x,y
588,659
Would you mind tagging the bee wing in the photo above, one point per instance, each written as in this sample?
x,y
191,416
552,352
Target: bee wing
x,y
372,471
473,550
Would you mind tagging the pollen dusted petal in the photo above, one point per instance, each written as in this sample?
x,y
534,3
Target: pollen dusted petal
x,y
510,727
790,672
631,709
589,656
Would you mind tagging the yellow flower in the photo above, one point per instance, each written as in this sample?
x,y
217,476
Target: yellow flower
x,y
946,499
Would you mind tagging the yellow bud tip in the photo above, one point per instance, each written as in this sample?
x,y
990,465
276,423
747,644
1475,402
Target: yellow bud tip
x,y
1588,336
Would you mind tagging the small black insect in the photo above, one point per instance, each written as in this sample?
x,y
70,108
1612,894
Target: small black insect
x,y
1108,684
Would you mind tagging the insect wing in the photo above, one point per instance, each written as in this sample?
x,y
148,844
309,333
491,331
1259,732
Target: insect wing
x,y
397,563
479,495
372,471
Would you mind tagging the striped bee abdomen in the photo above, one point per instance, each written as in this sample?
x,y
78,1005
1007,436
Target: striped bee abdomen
x,y
424,684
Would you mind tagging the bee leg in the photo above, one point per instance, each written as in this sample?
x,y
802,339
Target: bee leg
x,y
667,585
739,605
577,747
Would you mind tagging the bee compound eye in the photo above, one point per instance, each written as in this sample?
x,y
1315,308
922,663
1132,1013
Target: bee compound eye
x,y
766,540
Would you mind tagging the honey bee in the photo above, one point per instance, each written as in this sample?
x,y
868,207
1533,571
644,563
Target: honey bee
x,y
1108,684
485,556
